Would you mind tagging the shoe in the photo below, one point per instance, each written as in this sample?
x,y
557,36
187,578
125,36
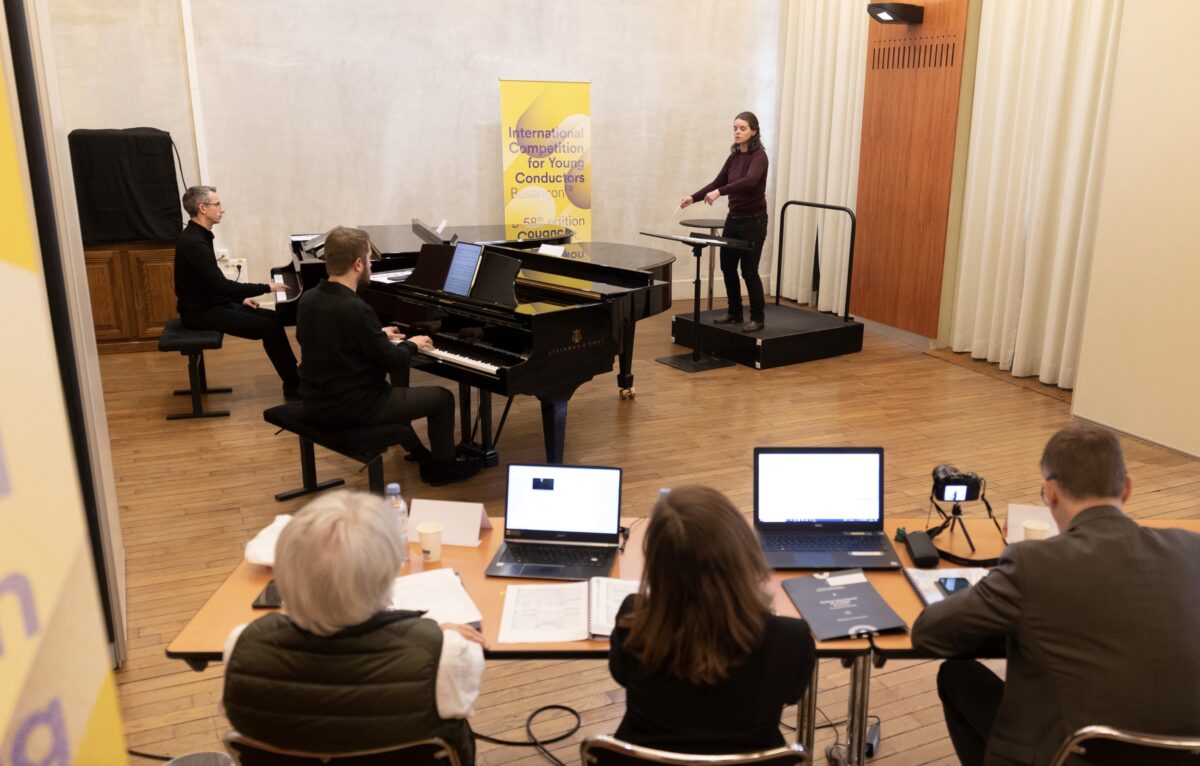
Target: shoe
x,y
752,326
728,319
439,473
291,394
419,455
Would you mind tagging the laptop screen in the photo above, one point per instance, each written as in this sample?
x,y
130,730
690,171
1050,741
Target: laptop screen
x,y
563,503
819,485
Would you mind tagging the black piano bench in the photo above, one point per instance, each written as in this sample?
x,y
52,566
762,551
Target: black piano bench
x,y
193,344
365,444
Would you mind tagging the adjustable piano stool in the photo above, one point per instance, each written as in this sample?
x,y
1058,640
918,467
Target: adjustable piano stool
x,y
193,344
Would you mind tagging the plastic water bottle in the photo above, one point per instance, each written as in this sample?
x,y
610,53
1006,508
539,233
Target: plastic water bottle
x,y
395,500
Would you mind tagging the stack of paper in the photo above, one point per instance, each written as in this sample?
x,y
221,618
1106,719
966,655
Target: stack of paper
x,y
439,593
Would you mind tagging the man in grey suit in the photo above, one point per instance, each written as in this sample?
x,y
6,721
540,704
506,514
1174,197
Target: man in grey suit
x,y
1101,623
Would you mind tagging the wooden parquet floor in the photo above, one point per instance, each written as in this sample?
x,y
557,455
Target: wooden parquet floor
x,y
191,493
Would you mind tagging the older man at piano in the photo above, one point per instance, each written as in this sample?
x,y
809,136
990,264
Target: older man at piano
x,y
347,356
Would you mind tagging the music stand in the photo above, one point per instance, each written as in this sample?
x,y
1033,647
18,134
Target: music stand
x,y
694,362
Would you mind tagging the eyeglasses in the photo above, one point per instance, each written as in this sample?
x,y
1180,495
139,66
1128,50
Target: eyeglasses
x,y
1042,491
214,204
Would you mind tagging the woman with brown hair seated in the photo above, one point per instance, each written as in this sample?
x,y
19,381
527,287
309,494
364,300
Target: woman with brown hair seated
x,y
706,666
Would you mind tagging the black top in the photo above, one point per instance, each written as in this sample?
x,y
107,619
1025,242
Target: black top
x,y
199,283
346,358
743,179
738,714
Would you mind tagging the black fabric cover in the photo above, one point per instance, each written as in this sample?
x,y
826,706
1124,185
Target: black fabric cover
x,y
125,185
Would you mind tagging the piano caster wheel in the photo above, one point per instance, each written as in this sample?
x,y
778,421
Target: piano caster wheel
x,y
628,393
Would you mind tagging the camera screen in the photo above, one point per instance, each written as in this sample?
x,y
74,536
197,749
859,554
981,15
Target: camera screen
x,y
954,493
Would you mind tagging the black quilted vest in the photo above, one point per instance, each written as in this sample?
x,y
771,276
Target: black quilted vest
x,y
370,686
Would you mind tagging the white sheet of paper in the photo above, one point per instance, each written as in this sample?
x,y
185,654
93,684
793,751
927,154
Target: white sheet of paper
x,y
261,549
461,521
439,593
544,613
608,594
545,249
845,577
1019,514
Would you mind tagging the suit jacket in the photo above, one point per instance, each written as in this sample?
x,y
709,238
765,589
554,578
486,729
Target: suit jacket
x,y
1102,626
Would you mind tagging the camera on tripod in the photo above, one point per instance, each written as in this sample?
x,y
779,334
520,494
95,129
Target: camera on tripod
x,y
951,485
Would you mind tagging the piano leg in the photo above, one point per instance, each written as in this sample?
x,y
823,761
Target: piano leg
x,y
554,428
464,413
486,449
490,458
625,361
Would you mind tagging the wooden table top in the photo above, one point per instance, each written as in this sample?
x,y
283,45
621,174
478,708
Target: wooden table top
x,y
203,638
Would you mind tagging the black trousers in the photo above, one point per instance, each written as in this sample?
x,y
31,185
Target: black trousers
x,y
242,321
754,230
434,403
970,695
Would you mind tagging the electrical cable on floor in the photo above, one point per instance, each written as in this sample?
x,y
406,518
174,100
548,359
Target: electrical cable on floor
x,y
533,741
151,756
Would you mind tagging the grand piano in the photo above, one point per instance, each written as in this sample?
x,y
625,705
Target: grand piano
x,y
532,324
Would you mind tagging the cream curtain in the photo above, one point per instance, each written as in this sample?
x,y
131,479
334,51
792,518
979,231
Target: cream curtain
x,y
823,57
1042,89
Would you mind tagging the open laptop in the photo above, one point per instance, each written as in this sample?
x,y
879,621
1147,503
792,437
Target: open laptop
x,y
561,522
821,508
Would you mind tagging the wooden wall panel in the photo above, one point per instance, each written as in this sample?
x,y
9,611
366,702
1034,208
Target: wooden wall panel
x,y
910,112
107,288
152,273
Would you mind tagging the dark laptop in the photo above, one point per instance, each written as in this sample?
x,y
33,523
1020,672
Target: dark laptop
x,y
821,508
561,522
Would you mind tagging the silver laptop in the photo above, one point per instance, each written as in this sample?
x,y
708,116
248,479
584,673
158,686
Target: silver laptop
x,y
561,522
821,508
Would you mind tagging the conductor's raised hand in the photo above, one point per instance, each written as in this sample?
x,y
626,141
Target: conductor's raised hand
x,y
712,196
684,201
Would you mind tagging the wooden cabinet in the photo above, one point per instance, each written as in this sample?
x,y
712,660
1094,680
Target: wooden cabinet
x,y
132,288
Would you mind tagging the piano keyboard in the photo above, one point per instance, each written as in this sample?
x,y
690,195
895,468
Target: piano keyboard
x,y
460,360
474,359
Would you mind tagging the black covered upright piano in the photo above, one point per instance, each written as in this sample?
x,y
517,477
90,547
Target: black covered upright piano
x,y
510,321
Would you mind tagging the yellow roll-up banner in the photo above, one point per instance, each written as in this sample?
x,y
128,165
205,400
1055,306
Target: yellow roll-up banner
x,y
546,132
58,704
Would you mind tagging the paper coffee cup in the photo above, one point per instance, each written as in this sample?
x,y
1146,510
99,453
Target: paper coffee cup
x,y
1036,530
431,541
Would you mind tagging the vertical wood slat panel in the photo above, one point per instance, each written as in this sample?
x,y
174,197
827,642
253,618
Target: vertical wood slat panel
x,y
910,109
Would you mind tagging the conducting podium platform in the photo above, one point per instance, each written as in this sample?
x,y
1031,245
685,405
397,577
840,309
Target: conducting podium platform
x,y
790,335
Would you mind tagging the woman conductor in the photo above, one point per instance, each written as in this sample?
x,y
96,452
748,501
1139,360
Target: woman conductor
x,y
744,180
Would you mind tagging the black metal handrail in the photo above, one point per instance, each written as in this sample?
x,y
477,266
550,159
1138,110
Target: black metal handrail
x,y
849,259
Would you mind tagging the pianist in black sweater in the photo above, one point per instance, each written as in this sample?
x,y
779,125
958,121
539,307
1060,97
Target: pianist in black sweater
x,y
206,300
347,358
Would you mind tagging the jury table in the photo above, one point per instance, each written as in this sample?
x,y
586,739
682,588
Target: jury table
x,y
202,640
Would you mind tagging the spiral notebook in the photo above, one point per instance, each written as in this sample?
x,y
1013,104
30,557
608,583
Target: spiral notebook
x,y
572,612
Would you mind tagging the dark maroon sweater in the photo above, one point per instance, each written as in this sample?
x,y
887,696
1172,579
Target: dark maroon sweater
x,y
743,179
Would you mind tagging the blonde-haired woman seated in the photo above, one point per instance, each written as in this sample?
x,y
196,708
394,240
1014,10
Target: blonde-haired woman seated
x,y
341,671
707,667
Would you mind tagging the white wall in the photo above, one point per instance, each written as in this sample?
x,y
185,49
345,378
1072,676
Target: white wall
x,y
1139,363
121,65
318,113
